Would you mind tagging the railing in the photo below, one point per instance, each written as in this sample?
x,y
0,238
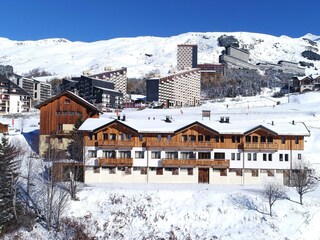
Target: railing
x,y
61,132
115,161
191,144
221,163
271,146
114,143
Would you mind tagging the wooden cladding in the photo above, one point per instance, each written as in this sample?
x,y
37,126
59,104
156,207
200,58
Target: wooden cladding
x,y
115,161
196,162
262,146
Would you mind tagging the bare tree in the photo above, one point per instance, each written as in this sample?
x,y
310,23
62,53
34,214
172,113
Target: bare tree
x,y
304,179
274,192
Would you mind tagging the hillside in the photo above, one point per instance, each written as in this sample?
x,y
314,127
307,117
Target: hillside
x,y
66,58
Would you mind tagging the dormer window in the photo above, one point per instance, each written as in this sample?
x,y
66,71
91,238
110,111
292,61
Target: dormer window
x,y
67,101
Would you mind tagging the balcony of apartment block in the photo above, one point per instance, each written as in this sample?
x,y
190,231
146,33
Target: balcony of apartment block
x,y
120,161
259,145
185,144
115,143
182,162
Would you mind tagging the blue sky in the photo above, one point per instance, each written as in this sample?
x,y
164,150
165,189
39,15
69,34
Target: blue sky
x,y
93,20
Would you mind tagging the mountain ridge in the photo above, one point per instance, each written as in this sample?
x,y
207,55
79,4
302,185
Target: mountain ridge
x,y
144,54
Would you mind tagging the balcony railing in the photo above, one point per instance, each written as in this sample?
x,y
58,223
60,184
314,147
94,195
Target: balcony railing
x,y
264,146
114,143
221,163
189,144
115,161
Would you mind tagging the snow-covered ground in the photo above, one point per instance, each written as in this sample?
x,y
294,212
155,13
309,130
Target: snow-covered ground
x,y
199,211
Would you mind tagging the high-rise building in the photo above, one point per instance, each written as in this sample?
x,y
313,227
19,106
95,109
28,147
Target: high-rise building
x,y
187,56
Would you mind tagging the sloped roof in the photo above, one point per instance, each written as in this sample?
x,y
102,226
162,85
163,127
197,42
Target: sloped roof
x,y
75,97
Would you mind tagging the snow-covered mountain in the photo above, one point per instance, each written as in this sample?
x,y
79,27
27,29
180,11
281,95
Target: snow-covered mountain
x,y
144,54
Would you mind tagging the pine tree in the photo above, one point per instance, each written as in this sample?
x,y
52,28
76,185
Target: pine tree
x,y
9,172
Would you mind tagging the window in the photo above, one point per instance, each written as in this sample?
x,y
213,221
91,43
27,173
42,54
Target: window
x,y
200,138
105,136
127,171
222,139
113,136
270,139
128,136
270,157
286,157
254,156
248,139
235,138
155,154
140,137
60,127
67,101
223,172
96,169
249,156
192,138
217,139
112,170
299,156
190,171
188,155
270,173
255,173
60,140
233,156
281,157
65,112
175,171
219,155
264,157
296,140
143,171
238,156
283,139
207,138
92,153
263,139
108,154
125,154
159,171
139,154
237,171
159,137
184,138
121,137
255,139
171,155
168,138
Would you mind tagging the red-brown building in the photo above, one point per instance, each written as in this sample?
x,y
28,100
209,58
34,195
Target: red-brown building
x,y
58,116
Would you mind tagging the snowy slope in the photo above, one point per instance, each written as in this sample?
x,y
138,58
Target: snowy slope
x,y
66,58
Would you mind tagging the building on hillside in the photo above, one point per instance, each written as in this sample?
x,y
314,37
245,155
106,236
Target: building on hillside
x,y
305,84
187,56
176,90
211,72
233,57
58,116
39,91
166,150
283,66
117,76
13,99
101,93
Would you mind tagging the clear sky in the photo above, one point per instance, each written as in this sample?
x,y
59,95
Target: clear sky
x,y
93,20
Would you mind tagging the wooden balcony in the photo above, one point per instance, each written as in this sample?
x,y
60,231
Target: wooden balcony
x,y
223,163
62,133
115,161
187,144
262,146
111,143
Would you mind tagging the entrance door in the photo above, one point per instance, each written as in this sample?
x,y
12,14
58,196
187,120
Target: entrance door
x,y
203,176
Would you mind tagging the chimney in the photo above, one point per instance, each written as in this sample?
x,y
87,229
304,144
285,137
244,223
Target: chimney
x,y
222,119
227,120
167,119
293,122
123,117
118,117
272,123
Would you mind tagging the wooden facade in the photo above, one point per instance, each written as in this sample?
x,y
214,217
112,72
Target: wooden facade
x,y
4,128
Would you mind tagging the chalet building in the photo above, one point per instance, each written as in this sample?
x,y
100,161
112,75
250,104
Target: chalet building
x,y
305,84
101,93
13,99
4,128
167,150
58,116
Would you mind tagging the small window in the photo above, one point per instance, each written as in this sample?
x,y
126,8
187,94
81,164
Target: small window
x,y
238,156
207,138
140,137
184,138
254,156
112,170
296,140
299,156
263,139
200,138
248,139
113,136
92,153
67,101
255,139
264,157
270,139
217,139
175,171
121,137
286,157
96,169
283,140
190,171
143,171
270,173
221,138
280,157
168,138
233,156
128,136
255,173
223,172
270,157
192,138
159,137
249,156
128,170
105,136
155,154
159,171
139,154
